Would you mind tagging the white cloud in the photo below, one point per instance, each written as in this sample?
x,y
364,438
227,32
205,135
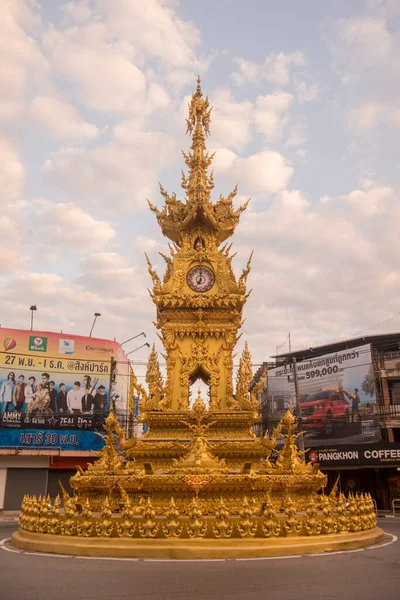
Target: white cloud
x,y
119,175
320,268
271,113
106,53
266,172
144,243
22,65
307,92
60,119
11,246
105,282
301,155
106,77
276,69
366,53
384,8
297,136
69,225
155,28
371,114
368,201
12,172
231,120
78,13
263,173
223,160
118,286
363,41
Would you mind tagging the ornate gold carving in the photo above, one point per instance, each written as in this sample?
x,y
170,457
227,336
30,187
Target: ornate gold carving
x,y
68,526
172,526
312,525
341,517
149,527
271,527
223,527
247,526
328,523
291,525
196,527
85,528
127,527
106,525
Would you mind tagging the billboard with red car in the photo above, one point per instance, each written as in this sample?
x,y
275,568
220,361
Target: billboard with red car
x,y
336,396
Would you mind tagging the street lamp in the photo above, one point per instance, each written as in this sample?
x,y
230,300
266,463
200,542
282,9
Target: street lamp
x,y
133,338
145,344
95,318
32,308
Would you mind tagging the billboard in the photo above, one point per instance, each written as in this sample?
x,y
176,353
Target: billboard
x,y
336,397
58,381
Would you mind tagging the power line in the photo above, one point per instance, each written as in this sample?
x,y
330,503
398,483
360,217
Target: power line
x,y
348,337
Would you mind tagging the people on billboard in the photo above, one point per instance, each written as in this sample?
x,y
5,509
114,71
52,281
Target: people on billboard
x,y
30,390
19,394
87,398
74,399
355,405
41,399
48,399
46,380
100,402
53,396
7,392
61,400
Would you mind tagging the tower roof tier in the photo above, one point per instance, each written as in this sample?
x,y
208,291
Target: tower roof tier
x,y
178,217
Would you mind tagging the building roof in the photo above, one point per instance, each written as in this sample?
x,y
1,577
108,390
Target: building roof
x,y
389,341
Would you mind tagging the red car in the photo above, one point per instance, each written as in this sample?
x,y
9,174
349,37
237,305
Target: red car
x,y
322,411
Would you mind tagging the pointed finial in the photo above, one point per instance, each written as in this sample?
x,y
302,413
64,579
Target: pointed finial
x,y
199,114
198,89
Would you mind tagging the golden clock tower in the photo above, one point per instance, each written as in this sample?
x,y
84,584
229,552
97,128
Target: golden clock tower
x,y
197,478
200,300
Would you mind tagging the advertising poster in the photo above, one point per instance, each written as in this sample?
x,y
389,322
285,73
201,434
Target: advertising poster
x,y
336,394
58,381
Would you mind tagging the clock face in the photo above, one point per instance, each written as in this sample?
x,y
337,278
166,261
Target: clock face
x,y
200,278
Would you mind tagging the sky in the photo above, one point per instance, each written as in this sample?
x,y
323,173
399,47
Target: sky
x,y
306,119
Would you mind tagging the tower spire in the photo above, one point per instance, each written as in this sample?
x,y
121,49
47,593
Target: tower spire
x,y
178,217
198,185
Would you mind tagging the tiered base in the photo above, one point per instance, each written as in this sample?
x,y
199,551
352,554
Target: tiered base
x,y
197,548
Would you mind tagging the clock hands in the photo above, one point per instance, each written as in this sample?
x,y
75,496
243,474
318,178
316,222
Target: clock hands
x,y
200,279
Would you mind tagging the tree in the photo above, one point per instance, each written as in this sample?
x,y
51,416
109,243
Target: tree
x,y
368,384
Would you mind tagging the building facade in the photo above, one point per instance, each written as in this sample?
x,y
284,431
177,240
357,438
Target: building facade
x,y
55,392
348,405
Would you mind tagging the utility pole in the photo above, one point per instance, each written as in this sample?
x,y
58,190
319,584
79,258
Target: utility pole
x,y
298,407
32,309
113,375
95,318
